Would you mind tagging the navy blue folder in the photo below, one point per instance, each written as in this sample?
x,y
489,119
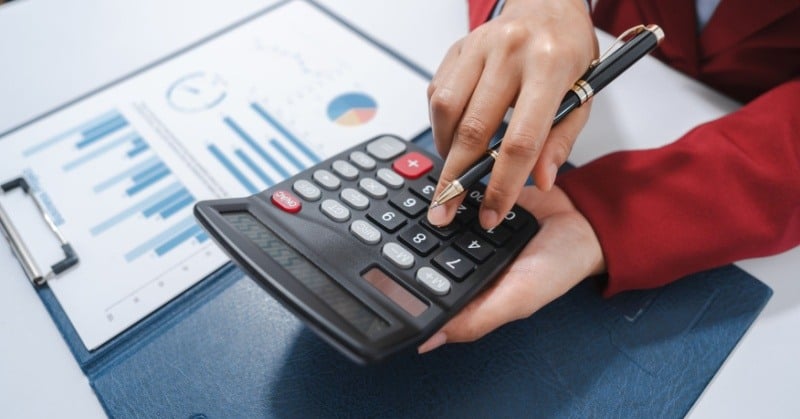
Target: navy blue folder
x,y
224,348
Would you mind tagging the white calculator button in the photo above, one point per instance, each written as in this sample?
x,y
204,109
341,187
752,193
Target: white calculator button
x,y
390,178
365,232
433,281
354,198
335,210
386,148
345,169
398,255
327,180
373,188
307,190
362,160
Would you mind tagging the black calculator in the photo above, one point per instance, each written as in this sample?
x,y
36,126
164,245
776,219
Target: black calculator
x,y
346,246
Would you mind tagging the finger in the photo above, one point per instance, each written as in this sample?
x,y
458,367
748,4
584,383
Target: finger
x,y
447,64
521,146
558,146
450,95
482,117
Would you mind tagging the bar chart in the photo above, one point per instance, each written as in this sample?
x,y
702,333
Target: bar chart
x,y
145,186
259,158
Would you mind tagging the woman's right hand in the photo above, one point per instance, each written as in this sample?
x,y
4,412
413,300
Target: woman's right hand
x,y
528,57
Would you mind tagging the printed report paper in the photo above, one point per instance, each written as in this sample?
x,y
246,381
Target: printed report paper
x,y
120,170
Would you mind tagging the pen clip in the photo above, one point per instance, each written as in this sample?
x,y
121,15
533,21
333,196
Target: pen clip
x,y
624,37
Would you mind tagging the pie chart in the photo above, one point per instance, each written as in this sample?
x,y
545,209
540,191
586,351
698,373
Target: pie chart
x,y
352,109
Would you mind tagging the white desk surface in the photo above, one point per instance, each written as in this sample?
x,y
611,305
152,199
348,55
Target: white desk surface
x,y
54,51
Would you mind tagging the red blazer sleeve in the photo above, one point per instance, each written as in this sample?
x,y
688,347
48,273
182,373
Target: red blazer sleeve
x,y
479,12
725,191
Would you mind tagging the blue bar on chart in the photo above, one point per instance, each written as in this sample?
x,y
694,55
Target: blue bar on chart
x,y
99,151
256,147
289,136
169,205
167,240
228,164
138,146
90,125
96,133
127,174
286,154
201,237
148,177
144,206
254,167
174,242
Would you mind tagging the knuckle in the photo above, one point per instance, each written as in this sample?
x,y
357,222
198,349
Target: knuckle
x,y
442,102
521,145
431,89
514,35
472,132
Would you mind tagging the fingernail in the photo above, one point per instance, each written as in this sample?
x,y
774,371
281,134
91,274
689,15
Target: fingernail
x,y
437,340
488,218
437,216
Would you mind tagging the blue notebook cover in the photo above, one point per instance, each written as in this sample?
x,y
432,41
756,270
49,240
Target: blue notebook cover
x,y
225,348
640,354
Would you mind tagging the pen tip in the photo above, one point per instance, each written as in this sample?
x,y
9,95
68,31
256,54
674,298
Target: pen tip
x,y
435,204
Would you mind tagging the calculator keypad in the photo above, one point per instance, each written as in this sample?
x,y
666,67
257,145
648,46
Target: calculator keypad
x,y
327,180
390,178
383,190
365,232
335,210
398,255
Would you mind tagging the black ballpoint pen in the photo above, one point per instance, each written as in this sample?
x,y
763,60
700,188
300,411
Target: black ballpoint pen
x,y
601,72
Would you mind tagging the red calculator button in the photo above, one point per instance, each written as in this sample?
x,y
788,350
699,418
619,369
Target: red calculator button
x,y
412,165
286,201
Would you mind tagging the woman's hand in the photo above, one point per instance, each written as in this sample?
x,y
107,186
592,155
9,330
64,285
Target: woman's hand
x,y
528,57
563,252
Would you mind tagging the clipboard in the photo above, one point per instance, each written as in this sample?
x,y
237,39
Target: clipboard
x,y
224,348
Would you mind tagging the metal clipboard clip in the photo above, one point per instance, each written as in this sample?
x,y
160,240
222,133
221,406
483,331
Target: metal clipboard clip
x,y
18,245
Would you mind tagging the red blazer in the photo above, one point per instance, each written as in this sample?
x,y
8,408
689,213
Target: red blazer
x,y
727,190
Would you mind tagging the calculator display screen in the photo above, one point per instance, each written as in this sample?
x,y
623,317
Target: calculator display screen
x,y
316,281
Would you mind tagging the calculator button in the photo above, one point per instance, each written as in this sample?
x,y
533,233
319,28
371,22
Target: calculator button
x,y
335,210
327,180
372,188
514,219
307,190
412,165
365,232
435,282
444,232
398,255
386,148
390,178
362,160
410,205
424,191
498,236
345,169
454,263
389,219
474,198
419,240
475,247
286,201
465,213
354,198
